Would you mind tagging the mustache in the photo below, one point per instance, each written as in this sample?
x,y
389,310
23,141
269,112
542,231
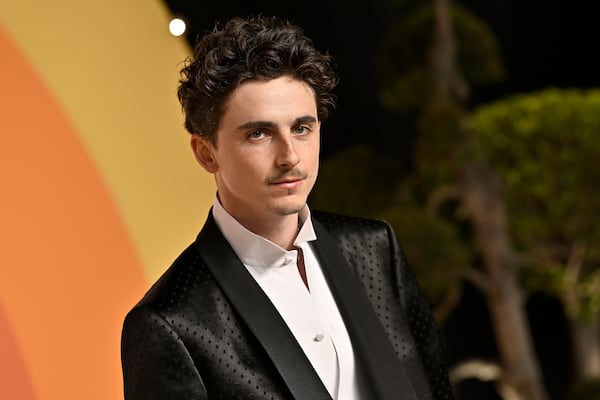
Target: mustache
x,y
294,174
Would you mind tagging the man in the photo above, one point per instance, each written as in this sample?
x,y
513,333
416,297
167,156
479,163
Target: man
x,y
271,301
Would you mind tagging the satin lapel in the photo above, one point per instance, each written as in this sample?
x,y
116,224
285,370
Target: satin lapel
x,y
375,353
259,314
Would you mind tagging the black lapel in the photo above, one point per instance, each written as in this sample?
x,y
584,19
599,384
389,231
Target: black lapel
x,y
383,369
259,314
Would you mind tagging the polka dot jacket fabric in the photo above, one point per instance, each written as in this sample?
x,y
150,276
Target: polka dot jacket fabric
x,y
184,340
372,250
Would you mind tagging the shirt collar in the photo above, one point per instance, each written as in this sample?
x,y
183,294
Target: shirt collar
x,y
253,249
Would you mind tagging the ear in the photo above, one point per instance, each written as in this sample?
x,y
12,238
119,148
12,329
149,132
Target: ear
x,y
204,152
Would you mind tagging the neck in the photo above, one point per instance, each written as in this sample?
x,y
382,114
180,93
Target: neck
x,y
281,230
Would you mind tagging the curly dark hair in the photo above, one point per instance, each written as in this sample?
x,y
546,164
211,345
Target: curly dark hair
x,y
254,48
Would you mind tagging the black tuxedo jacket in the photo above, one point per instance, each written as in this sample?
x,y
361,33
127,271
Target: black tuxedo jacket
x,y
205,330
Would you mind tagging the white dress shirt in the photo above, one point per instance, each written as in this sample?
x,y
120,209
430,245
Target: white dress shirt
x,y
311,315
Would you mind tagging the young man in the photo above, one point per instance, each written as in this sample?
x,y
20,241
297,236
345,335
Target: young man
x,y
272,301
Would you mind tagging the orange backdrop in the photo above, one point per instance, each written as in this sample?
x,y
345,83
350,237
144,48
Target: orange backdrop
x,y
98,191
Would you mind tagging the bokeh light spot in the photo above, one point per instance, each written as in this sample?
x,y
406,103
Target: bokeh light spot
x,y
177,27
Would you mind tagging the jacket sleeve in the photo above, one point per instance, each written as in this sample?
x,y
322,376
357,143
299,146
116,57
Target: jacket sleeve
x,y
156,363
421,323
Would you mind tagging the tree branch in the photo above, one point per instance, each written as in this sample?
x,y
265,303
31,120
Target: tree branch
x,y
440,196
480,280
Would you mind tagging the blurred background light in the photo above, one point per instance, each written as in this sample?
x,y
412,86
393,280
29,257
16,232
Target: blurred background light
x,y
177,27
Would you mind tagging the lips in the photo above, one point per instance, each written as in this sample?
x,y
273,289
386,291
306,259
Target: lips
x,y
290,178
288,184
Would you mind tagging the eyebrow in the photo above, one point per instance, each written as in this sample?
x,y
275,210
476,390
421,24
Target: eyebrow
x,y
307,119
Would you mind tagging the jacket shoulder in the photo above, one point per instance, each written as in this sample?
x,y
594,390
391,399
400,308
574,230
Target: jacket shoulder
x,y
338,224
173,286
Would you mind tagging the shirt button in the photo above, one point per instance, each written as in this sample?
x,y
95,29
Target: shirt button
x,y
319,337
287,260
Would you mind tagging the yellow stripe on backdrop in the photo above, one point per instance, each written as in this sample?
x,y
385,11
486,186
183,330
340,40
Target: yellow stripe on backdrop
x,y
113,67
100,190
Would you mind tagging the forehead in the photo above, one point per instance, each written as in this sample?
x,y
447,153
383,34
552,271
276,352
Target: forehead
x,y
276,99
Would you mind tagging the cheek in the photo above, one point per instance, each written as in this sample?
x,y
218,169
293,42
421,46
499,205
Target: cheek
x,y
313,158
246,169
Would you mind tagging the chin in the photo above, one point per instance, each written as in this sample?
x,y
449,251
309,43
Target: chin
x,y
289,208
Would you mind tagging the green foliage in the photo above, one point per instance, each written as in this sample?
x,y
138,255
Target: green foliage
x,y
588,290
555,279
357,181
434,246
360,181
439,145
551,277
546,146
403,59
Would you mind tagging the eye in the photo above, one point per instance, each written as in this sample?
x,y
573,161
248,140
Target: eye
x,y
301,130
256,134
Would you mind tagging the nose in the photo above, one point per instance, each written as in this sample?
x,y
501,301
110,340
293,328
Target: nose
x,y
287,156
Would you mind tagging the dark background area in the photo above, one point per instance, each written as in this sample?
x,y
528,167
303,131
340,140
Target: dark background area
x,y
542,44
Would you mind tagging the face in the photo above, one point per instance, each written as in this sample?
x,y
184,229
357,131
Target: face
x,y
266,155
